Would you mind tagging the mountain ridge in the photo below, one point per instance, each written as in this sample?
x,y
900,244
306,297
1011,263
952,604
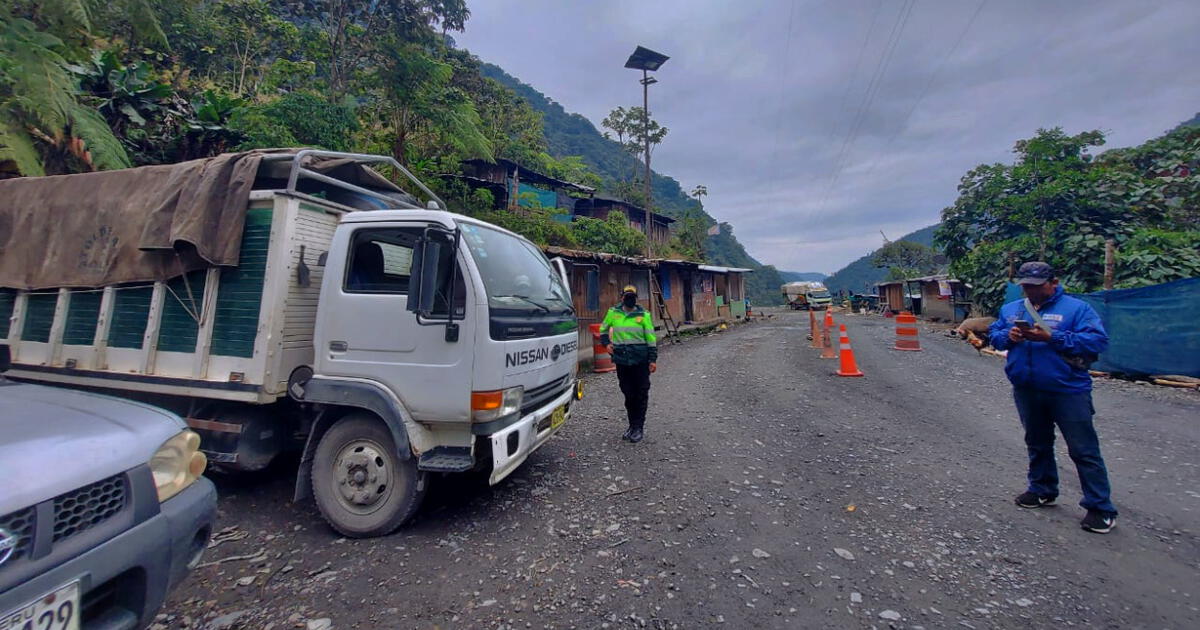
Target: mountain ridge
x,y
860,276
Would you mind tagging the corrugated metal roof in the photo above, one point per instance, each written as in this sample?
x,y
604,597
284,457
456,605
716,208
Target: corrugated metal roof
x,y
716,269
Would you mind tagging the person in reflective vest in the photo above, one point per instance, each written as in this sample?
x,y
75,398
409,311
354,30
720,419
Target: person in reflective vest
x,y
628,329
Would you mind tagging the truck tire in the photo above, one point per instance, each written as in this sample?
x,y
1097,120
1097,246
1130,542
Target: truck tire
x,y
361,485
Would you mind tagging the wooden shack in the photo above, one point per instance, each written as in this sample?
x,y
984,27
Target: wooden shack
x,y
514,186
600,207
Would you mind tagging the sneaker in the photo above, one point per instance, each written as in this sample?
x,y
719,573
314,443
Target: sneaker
x,y
1098,522
1031,500
625,436
635,436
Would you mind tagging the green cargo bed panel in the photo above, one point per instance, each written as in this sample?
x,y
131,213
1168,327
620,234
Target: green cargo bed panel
x,y
8,300
131,312
181,308
39,316
239,294
83,314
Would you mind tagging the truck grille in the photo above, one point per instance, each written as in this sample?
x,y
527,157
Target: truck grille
x,y
19,524
88,506
537,397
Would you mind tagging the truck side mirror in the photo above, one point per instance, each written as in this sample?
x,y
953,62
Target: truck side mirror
x,y
422,286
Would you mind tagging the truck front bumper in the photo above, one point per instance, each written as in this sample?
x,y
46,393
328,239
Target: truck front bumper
x,y
513,444
124,580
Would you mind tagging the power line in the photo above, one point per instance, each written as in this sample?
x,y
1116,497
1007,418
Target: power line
x,y
881,67
928,84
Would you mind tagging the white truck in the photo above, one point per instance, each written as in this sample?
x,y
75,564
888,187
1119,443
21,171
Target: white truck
x,y
385,345
806,295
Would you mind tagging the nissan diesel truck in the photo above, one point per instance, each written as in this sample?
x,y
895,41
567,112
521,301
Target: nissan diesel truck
x,y
383,339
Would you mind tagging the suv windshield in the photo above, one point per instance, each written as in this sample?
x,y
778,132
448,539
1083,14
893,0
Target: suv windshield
x,y
515,273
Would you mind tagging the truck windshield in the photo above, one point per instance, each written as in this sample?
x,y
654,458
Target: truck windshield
x,y
515,273
820,294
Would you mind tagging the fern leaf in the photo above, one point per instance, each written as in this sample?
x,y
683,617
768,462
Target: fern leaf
x,y
38,79
106,151
145,22
73,13
16,145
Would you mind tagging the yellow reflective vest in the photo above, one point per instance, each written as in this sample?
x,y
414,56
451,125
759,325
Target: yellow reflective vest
x,y
631,335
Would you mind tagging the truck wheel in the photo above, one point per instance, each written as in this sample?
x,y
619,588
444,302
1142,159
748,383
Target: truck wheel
x,y
361,485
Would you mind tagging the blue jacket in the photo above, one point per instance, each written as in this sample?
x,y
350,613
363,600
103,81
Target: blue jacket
x,y
1075,329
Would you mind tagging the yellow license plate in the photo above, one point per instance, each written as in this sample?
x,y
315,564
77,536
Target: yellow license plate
x,y
558,417
54,611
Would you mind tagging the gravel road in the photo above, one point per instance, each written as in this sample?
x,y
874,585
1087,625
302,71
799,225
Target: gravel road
x,y
767,494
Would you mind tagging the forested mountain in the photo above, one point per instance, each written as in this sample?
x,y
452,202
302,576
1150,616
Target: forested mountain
x,y
801,276
860,275
572,134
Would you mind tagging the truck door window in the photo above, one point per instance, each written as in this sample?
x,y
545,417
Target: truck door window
x,y
381,262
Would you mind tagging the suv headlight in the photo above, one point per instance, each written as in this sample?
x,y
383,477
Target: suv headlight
x,y
177,464
493,405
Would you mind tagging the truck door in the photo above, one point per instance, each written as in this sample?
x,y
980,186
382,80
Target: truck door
x,y
367,332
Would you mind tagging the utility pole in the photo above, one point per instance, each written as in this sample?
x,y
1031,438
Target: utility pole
x,y
646,60
646,81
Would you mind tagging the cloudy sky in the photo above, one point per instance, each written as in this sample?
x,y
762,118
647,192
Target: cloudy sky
x,y
815,124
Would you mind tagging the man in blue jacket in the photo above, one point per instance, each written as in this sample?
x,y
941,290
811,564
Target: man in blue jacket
x,y
1051,339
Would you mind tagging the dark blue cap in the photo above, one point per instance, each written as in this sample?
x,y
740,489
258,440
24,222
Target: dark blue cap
x,y
1036,272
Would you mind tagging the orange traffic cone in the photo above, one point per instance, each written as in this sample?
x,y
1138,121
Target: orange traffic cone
x,y
849,367
601,360
906,332
812,331
828,320
827,347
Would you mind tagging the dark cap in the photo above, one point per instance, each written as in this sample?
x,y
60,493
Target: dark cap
x,y
1036,272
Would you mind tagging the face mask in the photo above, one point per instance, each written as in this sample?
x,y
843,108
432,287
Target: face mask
x,y
629,300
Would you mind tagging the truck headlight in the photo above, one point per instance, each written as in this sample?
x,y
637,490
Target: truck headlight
x,y
493,405
177,464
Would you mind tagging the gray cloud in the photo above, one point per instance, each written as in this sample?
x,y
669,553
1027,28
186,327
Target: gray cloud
x,y
761,114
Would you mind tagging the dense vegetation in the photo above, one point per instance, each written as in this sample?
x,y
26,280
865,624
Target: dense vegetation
x,y
1059,203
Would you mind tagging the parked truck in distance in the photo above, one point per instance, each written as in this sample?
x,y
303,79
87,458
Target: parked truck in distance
x,y
383,340
806,295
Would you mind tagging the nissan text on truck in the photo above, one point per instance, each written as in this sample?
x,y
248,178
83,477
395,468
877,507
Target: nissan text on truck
x,y
301,300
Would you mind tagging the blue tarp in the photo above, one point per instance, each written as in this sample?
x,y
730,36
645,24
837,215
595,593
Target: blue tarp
x,y
1151,330
545,198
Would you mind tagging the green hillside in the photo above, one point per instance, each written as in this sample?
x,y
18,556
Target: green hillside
x,y
859,276
801,276
572,134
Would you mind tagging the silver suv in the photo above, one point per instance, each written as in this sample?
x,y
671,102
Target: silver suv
x,y
102,508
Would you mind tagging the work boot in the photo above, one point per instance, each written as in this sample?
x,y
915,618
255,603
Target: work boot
x,y
635,435
625,436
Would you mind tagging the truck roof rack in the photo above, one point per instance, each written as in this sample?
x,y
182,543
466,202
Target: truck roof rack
x,y
300,159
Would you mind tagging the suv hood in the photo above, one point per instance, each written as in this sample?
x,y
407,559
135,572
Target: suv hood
x,y
55,440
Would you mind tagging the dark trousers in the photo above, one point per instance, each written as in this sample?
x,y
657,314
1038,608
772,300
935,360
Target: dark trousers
x,y
1040,411
635,384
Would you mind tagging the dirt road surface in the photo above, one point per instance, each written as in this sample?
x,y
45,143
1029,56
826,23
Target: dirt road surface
x,y
767,494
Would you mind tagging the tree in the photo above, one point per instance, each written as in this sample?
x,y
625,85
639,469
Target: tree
x,y
700,191
632,131
905,259
1058,203
353,32
43,124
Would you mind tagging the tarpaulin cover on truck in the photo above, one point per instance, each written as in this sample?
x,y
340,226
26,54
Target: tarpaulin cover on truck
x,y
139,224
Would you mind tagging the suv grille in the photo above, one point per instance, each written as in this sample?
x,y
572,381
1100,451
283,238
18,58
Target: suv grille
x,y
88,506
19,524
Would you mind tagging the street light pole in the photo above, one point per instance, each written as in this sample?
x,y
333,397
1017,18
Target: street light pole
x,y
646,81
646,60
